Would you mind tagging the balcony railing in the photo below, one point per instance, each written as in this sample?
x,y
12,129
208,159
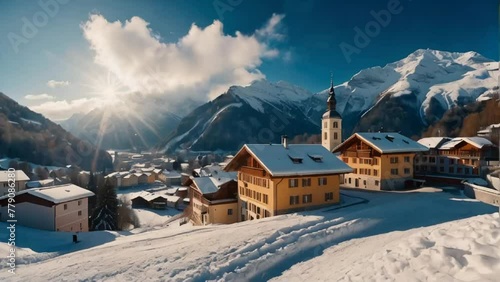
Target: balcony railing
x,y
361,153
253,171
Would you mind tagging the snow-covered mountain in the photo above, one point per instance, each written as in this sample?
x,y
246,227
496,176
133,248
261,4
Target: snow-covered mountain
x,y
405,96
416,90
258,113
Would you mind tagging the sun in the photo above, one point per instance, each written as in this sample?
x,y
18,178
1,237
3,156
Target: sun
x,y
107,86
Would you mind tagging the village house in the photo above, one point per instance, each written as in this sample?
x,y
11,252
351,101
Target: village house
x,y
457,157
381,160
155,200
276,179
56,208
20,180
170,178
213,200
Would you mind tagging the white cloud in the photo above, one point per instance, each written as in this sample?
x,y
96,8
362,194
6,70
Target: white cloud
x,y
55,83
43,96
61,110
204,61
271,30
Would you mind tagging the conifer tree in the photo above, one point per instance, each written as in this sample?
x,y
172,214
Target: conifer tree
x,y
105,215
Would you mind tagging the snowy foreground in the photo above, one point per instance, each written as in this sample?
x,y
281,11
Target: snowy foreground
x,y
412,236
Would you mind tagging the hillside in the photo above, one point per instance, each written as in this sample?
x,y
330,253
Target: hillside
x,y
466,120
383,239
31,137
258,113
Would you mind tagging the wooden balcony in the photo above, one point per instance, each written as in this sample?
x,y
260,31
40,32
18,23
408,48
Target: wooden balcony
x,y
360,153
259,172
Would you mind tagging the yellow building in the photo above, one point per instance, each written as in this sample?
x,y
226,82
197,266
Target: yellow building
x,y
213,200
381,160
280,178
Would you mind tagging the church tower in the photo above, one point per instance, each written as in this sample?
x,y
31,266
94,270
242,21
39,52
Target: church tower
x,y
331,128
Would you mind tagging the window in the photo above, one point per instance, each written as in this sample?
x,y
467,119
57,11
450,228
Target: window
x,y
321,181
306,182
407,171
451,170
79,202
441,160
375,161
452,161
79,213
307,198
292,183
377,183
265,199
407,159
364,182
394,171
394,160
375,172
325,124
229,211
326,135
354,160
349,180
335,124
65,206
432,160
81,227
294,200
335,136
328,196
345,160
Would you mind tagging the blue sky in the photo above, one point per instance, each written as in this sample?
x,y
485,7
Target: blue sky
x,y
302,48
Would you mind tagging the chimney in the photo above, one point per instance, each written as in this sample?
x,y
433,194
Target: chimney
x,y
284,141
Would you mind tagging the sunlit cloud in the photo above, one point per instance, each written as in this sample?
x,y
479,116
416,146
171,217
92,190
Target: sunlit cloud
x,y
36,97
204,62
63,109
55,83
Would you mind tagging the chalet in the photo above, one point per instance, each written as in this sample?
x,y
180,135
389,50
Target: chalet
x,y
213,200
460,157
381,161
20,180
57,208
276,179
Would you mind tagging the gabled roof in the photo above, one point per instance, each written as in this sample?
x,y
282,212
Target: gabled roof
x,y
386,142
433,142
209,185
58,194
478,142
20,176
296,159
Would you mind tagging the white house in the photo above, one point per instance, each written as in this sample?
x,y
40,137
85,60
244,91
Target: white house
x,y
19,180
57,208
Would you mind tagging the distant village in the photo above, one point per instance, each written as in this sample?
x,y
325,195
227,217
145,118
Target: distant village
x,y
259,181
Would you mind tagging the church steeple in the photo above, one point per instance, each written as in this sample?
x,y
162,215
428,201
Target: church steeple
x,y
331,102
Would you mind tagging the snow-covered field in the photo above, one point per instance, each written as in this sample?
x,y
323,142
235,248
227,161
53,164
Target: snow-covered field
x,y
407,236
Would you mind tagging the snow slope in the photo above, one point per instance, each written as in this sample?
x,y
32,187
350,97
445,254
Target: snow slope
x,y
463,250
264,249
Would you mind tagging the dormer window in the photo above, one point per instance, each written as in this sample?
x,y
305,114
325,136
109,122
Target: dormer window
x,y
317,158
390,138
295,159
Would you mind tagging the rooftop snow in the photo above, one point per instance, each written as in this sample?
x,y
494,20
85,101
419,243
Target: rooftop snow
x,y
208,185
390,142
276,159
58,194
478,142
433,142
20,176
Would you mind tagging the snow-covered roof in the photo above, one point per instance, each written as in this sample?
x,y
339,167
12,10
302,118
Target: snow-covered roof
x,y
20,176
433,142
58,194
296,159
171,174
39,183
209,184
478,142
216,170
387,142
